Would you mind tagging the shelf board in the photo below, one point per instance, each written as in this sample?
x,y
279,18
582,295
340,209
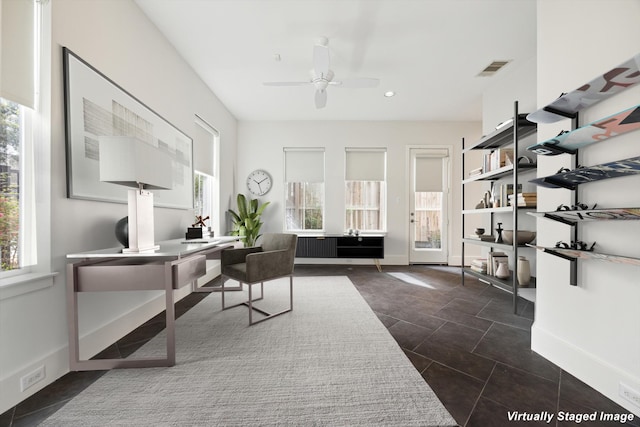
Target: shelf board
x,y
488,244
500,173
504,284
506,209
504,246
504,135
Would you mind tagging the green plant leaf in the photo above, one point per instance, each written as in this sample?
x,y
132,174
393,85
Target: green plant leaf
x,y
264,205
242,205
246,221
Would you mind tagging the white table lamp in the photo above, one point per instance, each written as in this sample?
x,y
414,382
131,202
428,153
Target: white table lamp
x,y
131,162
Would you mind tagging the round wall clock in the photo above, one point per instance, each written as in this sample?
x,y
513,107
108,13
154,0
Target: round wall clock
x,y
259,182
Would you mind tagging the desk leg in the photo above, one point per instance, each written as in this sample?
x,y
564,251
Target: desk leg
x,y
171,314
72,317
75,364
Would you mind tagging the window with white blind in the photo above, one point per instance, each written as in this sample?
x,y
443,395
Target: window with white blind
x,y
205,164
365,189
429,200
24,143
304,189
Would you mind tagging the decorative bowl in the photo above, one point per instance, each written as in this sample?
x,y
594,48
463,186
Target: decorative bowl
x,y
524,236
479,231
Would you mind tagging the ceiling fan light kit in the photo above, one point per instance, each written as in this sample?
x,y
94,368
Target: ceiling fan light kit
x,y
322,76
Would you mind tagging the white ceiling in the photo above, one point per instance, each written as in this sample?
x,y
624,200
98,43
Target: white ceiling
x,y
427,51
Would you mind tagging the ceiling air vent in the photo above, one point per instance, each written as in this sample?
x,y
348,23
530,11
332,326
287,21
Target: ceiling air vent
x,y
492,68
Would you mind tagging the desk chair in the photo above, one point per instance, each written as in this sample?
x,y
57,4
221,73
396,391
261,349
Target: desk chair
x,y
253,265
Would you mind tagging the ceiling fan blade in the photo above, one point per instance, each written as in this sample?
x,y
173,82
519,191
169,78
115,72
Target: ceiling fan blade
x,y
320,60
363,82
286,83
321,98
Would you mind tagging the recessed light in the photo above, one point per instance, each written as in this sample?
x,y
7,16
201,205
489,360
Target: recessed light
x,y
389,94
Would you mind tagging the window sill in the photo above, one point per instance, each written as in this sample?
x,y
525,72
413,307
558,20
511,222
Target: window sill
x,y
25,283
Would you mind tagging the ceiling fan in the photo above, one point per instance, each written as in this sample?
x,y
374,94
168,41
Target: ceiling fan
x,y
322,76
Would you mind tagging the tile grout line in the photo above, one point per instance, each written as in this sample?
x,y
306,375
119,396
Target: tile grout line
x,y
475,404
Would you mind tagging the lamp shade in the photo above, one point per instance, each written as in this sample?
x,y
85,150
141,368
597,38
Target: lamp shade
x,y
129,161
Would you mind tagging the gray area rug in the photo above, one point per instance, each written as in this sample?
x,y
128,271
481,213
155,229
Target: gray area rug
x,y
329,362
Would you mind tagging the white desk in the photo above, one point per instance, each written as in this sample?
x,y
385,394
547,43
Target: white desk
x,y
177,263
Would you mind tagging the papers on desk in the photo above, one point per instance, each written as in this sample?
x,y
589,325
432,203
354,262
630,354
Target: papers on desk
x,y
203,240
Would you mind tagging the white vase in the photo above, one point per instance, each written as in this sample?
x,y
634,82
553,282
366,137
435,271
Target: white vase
x,y
524,272
502,272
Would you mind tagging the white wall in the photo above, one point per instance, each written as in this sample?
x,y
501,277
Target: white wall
x,y
515,82
592,330
260,146
117,39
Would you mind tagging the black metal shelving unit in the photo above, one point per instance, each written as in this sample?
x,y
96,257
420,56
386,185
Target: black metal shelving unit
x,y
507,134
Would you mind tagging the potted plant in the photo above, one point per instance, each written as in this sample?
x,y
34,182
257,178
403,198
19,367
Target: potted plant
x,y
246,222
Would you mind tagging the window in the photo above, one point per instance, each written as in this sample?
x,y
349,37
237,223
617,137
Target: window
x,y
24,144
304,187
11,156
205,183
202,191
365,189
428,219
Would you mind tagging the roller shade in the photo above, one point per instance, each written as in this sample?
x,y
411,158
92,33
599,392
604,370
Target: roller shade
x,y
17,51
365,164
203,143
304,165
429,171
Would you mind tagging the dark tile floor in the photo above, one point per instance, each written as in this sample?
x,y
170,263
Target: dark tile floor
x,y
465,341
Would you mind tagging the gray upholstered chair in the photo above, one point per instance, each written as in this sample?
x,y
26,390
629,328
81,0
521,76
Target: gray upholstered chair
x,y
259,264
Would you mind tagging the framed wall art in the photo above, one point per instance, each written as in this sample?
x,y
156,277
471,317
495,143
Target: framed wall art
x,y
95,106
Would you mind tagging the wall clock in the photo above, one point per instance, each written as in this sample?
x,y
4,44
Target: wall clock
x,y
259,182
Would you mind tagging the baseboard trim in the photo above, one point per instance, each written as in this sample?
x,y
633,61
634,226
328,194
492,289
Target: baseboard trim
x,y
588,368
56,363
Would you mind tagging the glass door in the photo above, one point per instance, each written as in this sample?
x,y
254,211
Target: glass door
x,y
428,209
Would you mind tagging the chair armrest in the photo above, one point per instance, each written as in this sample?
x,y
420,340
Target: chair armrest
x,y
238,255
269,265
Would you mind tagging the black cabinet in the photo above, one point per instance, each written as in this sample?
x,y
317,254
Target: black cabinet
x,y
340,247
360,247
316,247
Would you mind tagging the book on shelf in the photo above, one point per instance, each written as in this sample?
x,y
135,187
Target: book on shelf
x,y
501,196
500,158
524,199
479,269
492,261
483,238
480,262
479,265
475,172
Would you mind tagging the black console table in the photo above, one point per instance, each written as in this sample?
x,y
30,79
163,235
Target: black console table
x,y
342,246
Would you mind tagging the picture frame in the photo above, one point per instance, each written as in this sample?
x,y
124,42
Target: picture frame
x,y
95,106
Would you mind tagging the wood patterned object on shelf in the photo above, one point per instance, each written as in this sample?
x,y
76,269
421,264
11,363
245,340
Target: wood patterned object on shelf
x,y
602,87
573,216
600,130
570,179
587,254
